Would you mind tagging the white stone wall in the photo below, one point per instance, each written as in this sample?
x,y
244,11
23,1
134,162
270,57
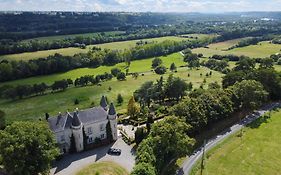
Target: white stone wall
x,y
78,136
113,125
96,130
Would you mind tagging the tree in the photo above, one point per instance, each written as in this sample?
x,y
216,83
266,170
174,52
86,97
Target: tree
x,y
160,70
267,63
60,85
139,135
249,94
156,62
144,93
245,64
173,67
232,77
27,148
214,85
120,99
133,108
2,120
121,76
175,87
170,140
143,169
192,60
115,71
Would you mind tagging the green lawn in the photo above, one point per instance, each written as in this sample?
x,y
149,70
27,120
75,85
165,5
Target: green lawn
x,y
71,51
258,152
103,168
261,50
35,107
136,66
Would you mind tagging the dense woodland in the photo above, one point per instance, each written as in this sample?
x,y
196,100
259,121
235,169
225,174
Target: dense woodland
x,y
29,25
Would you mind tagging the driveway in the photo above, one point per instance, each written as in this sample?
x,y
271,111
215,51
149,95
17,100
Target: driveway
x,y
190,162
73,163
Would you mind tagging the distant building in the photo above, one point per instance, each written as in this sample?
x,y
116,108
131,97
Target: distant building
x,y
92,122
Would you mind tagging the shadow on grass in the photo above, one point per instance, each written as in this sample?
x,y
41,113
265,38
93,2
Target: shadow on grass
x,y
257,123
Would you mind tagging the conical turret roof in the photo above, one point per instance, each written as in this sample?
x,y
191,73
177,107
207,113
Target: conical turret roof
x,y
112,110
76,121
103,102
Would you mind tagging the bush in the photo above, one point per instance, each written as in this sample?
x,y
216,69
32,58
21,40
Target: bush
x,y
76,101
160,70
120,99
121,76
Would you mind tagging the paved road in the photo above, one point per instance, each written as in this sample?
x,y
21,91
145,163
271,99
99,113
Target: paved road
x,y
189,162
73,163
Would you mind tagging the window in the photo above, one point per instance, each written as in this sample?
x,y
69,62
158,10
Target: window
x,y
102,136
89,130
102,128
62,139
90,140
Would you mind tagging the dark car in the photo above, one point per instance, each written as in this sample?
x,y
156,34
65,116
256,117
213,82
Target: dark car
x,y
114,151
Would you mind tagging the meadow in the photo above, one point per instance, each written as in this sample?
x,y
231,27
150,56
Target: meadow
x,y
35,107
261,50
257,152
113,45
136,66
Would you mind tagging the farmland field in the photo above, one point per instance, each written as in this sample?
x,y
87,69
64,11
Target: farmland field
x,y
114,45
261,50
35,107
257,152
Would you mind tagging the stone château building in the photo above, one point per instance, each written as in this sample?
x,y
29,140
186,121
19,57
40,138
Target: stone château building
x,y
91,123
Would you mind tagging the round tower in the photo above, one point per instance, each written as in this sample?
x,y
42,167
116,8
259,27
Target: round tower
x,y
76,126
112,118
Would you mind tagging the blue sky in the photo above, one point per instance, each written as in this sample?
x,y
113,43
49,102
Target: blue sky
x,y
143,5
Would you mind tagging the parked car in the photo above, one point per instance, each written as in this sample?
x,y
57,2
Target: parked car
x,y
114,151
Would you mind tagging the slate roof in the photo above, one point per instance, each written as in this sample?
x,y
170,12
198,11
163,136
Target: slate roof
x,y
111,109
103,102
75,120
64,121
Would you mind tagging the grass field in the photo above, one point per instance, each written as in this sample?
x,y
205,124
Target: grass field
x,y
103,168
35,107
257,152
71,51
261,50
136,66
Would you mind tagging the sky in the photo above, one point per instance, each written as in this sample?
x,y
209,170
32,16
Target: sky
x,y
207,6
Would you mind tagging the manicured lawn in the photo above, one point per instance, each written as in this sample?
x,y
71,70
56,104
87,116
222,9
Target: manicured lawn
x,y
103,168
258,152
261,50
71,51
35,107
136,66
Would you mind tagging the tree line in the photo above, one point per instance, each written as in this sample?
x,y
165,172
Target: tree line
x,y
21,91
11,70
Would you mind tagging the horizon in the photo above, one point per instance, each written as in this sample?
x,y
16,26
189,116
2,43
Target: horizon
x,y
154,6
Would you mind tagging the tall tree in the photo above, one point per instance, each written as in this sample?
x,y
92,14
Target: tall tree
x,y
133,108
27,148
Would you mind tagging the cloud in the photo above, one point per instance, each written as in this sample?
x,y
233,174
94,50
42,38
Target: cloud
x,y
143,5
